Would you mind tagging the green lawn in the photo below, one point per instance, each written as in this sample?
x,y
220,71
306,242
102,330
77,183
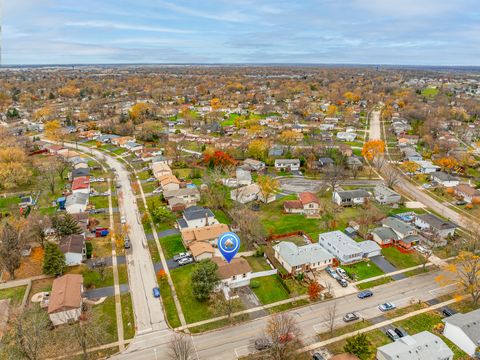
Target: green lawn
x,y
401,260
105,317
100,202
363,270
149,187
152,246
258,263
373,283
172,245
193,309
127,315
376,338
169,304
14,294
222,217
182,173
144,175
430,92
270,290
7,203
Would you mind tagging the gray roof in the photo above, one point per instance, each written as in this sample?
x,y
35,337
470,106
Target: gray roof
x,y
298,255
436,222
197,212
77,198
385,233
341,241
397,225
369,246
243,174
181,192
382,190
350,194
469,323
80,172
443,176
421,346
287,161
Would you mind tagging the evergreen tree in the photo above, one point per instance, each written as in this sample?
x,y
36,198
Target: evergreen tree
x,y
204,279
54,260
65,225
358,345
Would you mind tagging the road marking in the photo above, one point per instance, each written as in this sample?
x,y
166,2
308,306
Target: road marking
x,y
441,289
243,352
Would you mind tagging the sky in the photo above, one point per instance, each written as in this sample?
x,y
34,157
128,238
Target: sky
x,y
404,32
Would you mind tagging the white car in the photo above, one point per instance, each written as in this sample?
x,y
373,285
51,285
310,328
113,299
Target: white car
x,y
342,272
157,191
123,220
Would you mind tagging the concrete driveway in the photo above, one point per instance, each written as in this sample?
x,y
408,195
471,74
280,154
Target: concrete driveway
x,y
324,279
386,266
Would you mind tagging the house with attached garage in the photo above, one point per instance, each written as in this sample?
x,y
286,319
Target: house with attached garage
x,y
350,197
467,193
407,234
203,234
186,196
201,250
287,164
297,259
444,179
169,183
340,245
370,248
254,165
426,167
307,204
196,217
464,331
384,236
432,223
246,194
66,299
160,169
421,346
386,196
346,136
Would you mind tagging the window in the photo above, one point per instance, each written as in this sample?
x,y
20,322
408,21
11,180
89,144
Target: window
x,y
234,277
244,275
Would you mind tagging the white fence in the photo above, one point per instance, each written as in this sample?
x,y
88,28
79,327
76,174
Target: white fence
x,y
263,273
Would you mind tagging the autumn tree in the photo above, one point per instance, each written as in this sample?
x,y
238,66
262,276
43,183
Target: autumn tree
x,y
69,91
373,148
221,306
448,164
140,112
250,228
332,110
289,137
351,97
268,186
284,335
215,104
258,149
53,130
314,290
409,167
13,168
43,114
11,243
218,158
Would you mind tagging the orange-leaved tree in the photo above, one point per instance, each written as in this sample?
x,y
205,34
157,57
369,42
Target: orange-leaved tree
x,y
314,290
448,164
409,167
372,148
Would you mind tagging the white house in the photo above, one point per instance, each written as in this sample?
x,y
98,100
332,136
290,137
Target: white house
x,y
201,250
287,164
255,165
234,274
65,301
426,166
340,245
76,203
385,195
246,194
464,330
297,259
445,179
438,226
73,246
196,217
307,203
346,136
350,197
169,183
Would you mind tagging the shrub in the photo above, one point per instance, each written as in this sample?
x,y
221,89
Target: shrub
x,y
254,284
89,248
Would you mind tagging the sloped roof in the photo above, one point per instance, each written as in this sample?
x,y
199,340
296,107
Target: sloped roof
x,y
299,255
203,233
308,197
72,244
66,293
237,266
200,247
468,322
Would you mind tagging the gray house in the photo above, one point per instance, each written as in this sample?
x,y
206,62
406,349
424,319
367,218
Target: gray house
x,y
421,346
464,330
385,195
340,245
297,259
436,225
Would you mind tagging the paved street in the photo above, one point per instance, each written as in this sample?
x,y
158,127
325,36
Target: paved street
x,y
299,184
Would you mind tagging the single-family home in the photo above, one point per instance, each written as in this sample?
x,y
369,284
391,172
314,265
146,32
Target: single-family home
x,y
426,166
275,151
133,146
432,223
401,228
370,248
196,217
76,202
346,136
65,301
201,250
79,172
169,183
246,194
255,165
296,259
350,197
307,204
73,246
160,159
410,154
325,161
345,150
208,233
445,179
107,138
234,274
467,193
243,176
421,346
81,184
464,331
386,196
340,245
384,236
188,195
287,164
160,169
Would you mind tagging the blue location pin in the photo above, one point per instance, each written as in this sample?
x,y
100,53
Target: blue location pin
x,y
228,244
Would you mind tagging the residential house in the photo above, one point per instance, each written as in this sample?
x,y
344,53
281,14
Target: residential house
x,y
410,154
445,179
407,233
196,217
107,138
384,236
432,223
307,204
421,346
160,159
340,245
76,202
287,164
467,193
236,273
188,196
65,300
81,184
464,331
275,151
208,234
201,250
246,194
254,165
426,167
346,136
385,195
325,161
73,246
244,177
133,146
160,169
122,140
370,248
80,172
296,259
350,197
345,150
169,183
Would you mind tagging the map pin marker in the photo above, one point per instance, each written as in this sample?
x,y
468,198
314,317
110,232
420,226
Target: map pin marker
x,y
228,244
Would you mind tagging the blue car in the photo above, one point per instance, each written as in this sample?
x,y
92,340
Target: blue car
x,y
365,294
156,292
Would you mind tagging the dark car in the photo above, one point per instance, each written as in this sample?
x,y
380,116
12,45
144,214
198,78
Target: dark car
x,y
448,312
156,292
317,356
262,344
342,282
127,244
365,294
400,332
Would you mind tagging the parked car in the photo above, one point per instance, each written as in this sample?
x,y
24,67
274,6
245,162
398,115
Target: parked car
x,y
342,282
460,202
386,306
422,250
342,272
262,344
97,211
365,294
123,220
350,317
156,292
157,191
127,244
118,186
448,312
152,179
181,256
331,271
185,261
317,356
400,332
392,334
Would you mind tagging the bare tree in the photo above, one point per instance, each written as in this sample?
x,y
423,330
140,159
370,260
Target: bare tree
x,y
284,335
61,166
334,175
390,176
11,243
180,347
49,175
250,228
38,225
330,316
225,307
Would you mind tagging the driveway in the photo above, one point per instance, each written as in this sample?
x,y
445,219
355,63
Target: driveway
x,y
386,266
168,232
337,290
108,261
250,300
105,291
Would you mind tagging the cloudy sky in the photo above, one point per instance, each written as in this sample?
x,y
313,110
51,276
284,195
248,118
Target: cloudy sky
x,y
424,32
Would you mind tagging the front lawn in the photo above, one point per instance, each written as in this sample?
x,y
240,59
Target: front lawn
x,y
105,318
376,338
193,309
100,202
401,260
270,289
172,245
363,270
15,294
373,283
127,316
169,304
9,202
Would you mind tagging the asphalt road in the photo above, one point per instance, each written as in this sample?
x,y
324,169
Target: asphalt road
x,y
300,184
